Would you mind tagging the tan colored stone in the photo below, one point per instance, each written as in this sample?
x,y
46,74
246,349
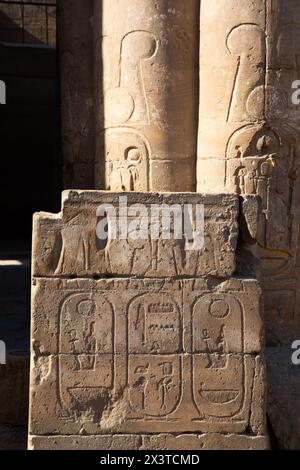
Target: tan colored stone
x,y
206,442
148,442
227,318
14,384
248,127
151,345
223,39
283,397
121,356
229,312
67,245
117,442
146,121
258,418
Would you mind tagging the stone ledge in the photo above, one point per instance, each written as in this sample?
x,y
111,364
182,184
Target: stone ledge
x,y
154,442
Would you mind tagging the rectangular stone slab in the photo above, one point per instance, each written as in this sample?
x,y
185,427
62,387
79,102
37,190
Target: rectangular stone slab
x,y
146,356
66,245
154,442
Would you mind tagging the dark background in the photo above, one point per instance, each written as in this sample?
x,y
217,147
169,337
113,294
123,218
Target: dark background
x,y
31,165
30,181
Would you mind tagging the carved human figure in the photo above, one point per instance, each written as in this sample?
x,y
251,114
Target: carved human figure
x,y
86,344
263,162
245,98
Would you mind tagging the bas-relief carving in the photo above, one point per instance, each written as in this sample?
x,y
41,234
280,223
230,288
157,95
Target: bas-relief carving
x,y
162,382
218,388
85,361
80,254
263,158
68,244
127,165
126,97
155,368
259,138
256,92
155,325
264,161
255,147
140,74
127,151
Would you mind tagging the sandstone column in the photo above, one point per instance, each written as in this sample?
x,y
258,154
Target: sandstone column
x,y
147,52
249,129
76,72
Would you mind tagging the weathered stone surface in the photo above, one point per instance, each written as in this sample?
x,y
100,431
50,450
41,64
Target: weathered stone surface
x,y
233,312
155,442
249,131
205,442
223,308
109,442
146,107
258,417
125,356
67,245
283,397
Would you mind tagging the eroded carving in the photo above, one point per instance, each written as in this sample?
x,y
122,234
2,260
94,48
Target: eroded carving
x,y
218,376
85,363
246,43
155,384
127,156
264,161
148,62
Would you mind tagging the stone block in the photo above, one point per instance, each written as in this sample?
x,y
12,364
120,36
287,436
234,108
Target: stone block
x,y
117,442
153,443
66,245
148,356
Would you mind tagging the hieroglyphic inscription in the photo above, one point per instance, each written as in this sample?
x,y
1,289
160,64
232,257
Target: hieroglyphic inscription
x,y
218,375
155,379
143,356
148,63
246,43
86,346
